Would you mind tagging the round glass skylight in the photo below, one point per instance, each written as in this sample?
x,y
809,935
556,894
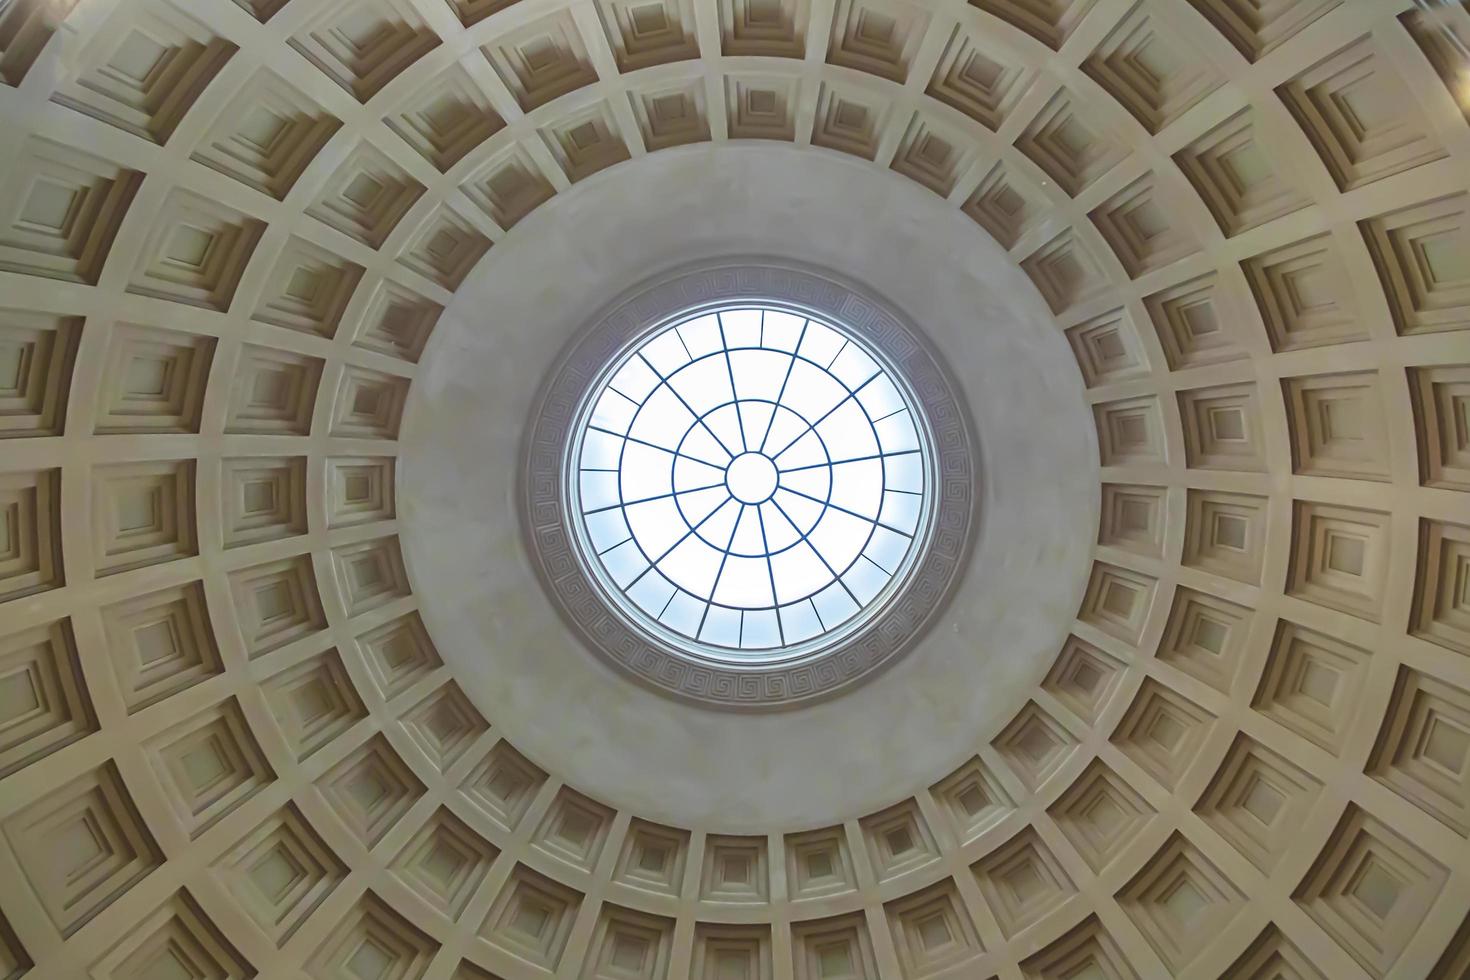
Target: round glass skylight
x,y
750,484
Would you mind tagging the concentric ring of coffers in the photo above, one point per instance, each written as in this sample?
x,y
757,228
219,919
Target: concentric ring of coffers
x,y
734,484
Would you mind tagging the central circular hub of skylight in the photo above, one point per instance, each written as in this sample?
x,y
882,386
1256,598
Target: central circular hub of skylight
x,y
752,477
750,483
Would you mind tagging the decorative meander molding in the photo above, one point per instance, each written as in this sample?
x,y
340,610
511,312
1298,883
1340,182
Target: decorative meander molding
x,y
894,629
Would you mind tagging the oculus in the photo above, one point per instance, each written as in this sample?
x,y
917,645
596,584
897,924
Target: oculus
x,y
748,484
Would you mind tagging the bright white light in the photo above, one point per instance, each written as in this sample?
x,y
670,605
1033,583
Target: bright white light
x,y
750,480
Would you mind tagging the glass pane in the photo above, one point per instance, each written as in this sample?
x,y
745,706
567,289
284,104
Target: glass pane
x,y
749,480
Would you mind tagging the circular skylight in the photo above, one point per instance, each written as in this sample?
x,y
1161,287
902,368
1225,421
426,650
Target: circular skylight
x,y
752,484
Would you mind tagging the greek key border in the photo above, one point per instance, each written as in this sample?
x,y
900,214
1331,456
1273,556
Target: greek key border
x,y
550,541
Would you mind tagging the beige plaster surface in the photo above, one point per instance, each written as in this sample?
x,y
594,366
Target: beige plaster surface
x,y
680,763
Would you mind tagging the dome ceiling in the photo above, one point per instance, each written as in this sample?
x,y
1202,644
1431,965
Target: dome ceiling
x,y
252,725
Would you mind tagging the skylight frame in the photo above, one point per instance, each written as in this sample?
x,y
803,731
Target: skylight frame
x,y
745,652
